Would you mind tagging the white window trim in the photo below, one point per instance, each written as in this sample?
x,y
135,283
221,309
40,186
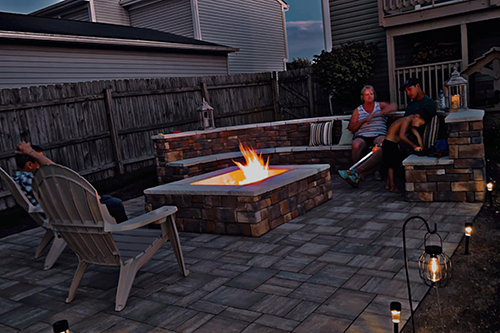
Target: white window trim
x,y
196,20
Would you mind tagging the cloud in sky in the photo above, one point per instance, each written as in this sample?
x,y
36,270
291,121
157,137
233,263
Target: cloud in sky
x,y
305,38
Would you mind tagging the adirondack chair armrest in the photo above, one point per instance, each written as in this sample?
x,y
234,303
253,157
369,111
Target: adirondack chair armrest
x,y
156,216
35,210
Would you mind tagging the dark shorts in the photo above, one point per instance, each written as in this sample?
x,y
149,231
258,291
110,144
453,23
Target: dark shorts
x,y
391,157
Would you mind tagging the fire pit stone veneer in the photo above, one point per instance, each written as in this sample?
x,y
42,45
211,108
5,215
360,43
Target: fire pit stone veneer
x,y
250,210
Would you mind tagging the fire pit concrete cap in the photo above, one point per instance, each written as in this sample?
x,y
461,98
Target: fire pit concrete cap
x,y
184,187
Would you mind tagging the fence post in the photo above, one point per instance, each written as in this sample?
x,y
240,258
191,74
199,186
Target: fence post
x,y
276,96
310,87
108,101
204,92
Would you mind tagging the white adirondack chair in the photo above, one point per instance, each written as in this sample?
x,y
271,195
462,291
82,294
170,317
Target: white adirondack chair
x,y
73,208
36,213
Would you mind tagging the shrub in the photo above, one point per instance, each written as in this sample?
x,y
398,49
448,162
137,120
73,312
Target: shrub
x,y
297,63
343,71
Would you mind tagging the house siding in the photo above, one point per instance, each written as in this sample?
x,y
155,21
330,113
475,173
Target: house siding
x,y
173,16
110,11
357,20
253,26
26,65
82,14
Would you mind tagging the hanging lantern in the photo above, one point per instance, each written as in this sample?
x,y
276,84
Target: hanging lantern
x,y
433,265
489,186
206,116
456,92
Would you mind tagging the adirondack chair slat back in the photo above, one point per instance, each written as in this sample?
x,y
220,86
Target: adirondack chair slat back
x,y
15,190
74,210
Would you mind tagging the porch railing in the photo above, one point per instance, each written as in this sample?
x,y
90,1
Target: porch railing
x,y
395,6
432,76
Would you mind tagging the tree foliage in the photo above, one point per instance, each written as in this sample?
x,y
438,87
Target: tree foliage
x,y
343,71
297,63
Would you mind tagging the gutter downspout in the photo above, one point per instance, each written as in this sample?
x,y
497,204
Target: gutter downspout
x,y
285,8
327,24
92,11
196,19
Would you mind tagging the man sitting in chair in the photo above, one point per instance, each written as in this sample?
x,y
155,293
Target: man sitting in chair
x,y
29,158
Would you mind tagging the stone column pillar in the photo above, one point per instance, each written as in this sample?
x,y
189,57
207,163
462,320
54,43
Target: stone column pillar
x,y
465,138
457,178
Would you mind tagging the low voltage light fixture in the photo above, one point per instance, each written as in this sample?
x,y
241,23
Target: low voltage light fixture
x,y
396,315
434,266
468,233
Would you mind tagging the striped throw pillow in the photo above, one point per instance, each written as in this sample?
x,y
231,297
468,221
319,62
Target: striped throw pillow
x,y
431,132
321,134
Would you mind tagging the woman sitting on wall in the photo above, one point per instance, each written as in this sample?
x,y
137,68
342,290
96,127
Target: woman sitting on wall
x,y
368,123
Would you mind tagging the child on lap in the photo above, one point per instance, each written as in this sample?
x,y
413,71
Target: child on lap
x,y
391,156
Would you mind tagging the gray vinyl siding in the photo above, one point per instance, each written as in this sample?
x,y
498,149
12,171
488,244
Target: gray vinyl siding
x,y
173,16
82,14
357,20
23,65
253,26
110,11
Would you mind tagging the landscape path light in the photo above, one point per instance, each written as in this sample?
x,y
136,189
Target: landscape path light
x,y
433,265
468,233
396,315
489,187
61,326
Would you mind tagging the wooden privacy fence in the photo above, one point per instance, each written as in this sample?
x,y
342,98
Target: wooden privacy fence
x,y
104,128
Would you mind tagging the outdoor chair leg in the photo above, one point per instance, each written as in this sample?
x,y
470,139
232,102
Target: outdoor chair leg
x,y
49,234
127,277
173,235
57,248
80,270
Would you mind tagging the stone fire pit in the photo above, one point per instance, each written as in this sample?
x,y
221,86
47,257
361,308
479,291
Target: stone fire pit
x,y
250,210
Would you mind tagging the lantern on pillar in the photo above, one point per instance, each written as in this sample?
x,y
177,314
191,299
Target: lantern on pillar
x,y
456,92
206,116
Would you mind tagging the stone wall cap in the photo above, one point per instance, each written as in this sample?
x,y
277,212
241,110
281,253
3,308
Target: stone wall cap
x,y
427,161
463,116
249,126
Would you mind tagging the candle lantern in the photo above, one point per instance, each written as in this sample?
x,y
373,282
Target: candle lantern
x,y
433,265
206,116
456,92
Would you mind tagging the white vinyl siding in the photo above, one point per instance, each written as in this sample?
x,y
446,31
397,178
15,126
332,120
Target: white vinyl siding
x,y
110,11
23,65
173,16
253,26
81,14
357,20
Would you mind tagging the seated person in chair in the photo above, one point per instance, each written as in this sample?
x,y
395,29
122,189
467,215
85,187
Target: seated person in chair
x,y
29,158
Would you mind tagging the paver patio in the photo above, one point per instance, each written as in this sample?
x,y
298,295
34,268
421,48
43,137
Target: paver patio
x,y
334,269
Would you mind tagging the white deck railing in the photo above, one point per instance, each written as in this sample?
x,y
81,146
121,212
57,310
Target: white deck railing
x,y
432,76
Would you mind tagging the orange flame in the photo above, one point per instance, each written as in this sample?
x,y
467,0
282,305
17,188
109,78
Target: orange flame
x,y
255,169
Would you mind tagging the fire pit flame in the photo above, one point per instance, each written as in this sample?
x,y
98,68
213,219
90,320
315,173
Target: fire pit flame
x,y
255,169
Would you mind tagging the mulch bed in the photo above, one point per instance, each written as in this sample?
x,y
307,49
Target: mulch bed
x,y
471,301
